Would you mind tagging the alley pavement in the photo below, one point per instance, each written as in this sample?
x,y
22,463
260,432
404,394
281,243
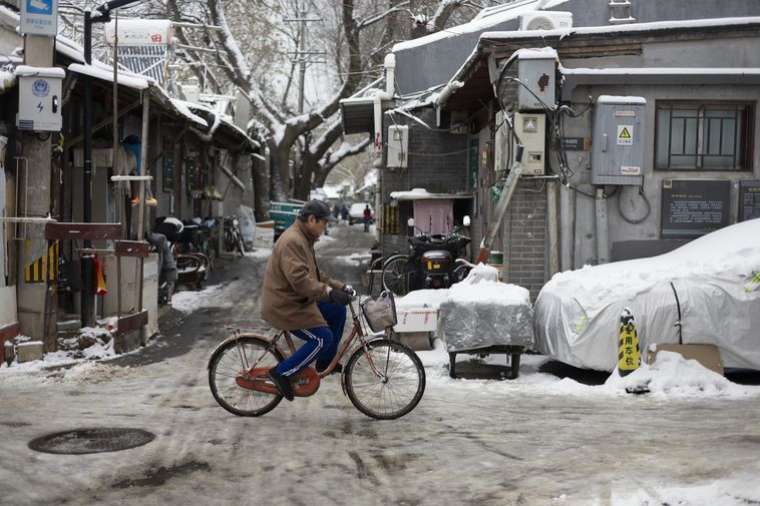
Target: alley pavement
x,y
463,444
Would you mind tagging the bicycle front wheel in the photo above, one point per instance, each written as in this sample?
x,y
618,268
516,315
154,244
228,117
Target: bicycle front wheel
x,y
233,359
386,380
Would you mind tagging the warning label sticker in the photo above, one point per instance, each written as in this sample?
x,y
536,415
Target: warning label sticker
x,y
625,135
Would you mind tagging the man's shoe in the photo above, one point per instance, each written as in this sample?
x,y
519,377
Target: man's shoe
x,y
337,370
282,383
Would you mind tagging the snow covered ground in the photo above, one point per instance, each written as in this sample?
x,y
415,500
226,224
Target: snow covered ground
x,y
670,377
538,440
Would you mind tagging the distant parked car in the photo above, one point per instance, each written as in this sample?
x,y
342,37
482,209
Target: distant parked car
x,y
356,213
708,290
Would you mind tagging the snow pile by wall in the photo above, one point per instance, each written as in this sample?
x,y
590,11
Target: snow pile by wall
x,y
671,375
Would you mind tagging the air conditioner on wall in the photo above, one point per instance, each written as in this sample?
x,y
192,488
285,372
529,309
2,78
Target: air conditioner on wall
x,y
546,20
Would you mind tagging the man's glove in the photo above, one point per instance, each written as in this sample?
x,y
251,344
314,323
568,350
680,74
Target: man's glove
x,y
339,297
349,290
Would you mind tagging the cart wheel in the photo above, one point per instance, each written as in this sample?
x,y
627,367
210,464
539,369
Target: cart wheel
x,y
514,365
452,365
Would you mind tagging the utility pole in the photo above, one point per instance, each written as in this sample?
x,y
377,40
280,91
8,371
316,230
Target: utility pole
x,y
34,176
302,55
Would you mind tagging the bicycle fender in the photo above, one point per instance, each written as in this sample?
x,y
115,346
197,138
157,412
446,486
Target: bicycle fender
x,y
237,334
381,337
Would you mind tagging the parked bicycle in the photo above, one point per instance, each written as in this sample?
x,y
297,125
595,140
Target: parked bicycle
x,y
383,378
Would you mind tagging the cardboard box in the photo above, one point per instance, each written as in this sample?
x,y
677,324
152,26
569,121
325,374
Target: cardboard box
x,y
706,354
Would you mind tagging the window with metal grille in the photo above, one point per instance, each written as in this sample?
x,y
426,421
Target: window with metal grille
x,y
704,136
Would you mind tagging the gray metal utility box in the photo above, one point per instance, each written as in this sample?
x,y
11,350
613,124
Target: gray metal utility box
x,y
618,142
536,70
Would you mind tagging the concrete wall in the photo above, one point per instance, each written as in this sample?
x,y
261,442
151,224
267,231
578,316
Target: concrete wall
x,y
577,220
7,305
578,234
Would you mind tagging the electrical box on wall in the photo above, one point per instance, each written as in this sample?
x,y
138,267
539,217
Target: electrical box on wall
x,y
618,147
39,102
536,70
531,129
398,146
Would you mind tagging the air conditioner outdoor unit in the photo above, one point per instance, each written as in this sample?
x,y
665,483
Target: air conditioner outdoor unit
x,y
546,20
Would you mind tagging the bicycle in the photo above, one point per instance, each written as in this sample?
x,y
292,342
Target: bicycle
x,y
376,369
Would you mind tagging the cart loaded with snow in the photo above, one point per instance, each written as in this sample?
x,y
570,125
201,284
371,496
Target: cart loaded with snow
x,y
479,316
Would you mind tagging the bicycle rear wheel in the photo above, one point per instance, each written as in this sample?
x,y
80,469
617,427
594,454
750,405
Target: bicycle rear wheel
x,y
390,389
235,358
394,275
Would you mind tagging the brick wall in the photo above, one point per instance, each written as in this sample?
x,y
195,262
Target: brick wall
x,y
524,237
437,161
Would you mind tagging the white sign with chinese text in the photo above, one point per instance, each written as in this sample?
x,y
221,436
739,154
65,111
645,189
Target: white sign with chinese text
x,y
39,17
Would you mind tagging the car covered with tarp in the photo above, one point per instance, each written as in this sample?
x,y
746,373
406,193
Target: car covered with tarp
x,y
708,290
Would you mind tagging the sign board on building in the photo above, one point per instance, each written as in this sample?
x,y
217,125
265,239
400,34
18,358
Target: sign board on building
x,y
749,200
575,143
39,17
140,32
691,208
625,135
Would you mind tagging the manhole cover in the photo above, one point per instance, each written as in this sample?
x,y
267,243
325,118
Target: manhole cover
x,y
80,441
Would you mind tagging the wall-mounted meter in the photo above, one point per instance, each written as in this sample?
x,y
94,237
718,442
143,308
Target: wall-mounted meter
x,y
618,144
536,70
39,99
531,129
398,146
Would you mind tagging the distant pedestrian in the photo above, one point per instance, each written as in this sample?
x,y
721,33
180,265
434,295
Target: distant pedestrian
x,y
344,212
367,217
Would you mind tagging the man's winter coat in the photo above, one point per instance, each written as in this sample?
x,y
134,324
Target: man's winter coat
x,y
293,283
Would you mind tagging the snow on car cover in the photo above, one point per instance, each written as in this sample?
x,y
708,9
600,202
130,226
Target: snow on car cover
x,y
717,278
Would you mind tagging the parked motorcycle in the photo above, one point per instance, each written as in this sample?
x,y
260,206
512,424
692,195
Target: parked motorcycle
x,y
192,266
434,261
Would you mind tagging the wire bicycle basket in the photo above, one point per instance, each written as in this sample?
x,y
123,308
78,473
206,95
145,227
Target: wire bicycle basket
x,y
380,312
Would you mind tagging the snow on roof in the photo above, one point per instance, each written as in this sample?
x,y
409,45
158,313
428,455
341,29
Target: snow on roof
x,y
217,118
423,194
487,18
535,53
614,99
738,71
29,71
183,109
631,27
106,74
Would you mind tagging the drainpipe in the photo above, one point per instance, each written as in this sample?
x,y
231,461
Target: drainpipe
x,y
390,88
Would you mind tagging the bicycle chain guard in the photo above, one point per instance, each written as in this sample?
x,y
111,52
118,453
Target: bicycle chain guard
x,y
305,383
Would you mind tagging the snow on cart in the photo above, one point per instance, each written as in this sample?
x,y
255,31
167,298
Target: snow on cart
x,y
479,315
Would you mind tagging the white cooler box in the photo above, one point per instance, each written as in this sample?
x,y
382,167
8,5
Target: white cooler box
x,y
417,327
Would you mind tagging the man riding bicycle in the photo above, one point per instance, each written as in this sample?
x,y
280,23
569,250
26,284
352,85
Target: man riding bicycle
x,y
301,300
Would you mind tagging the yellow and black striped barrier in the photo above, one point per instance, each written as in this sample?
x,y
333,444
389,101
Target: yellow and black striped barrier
x,y
36,271
629,354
